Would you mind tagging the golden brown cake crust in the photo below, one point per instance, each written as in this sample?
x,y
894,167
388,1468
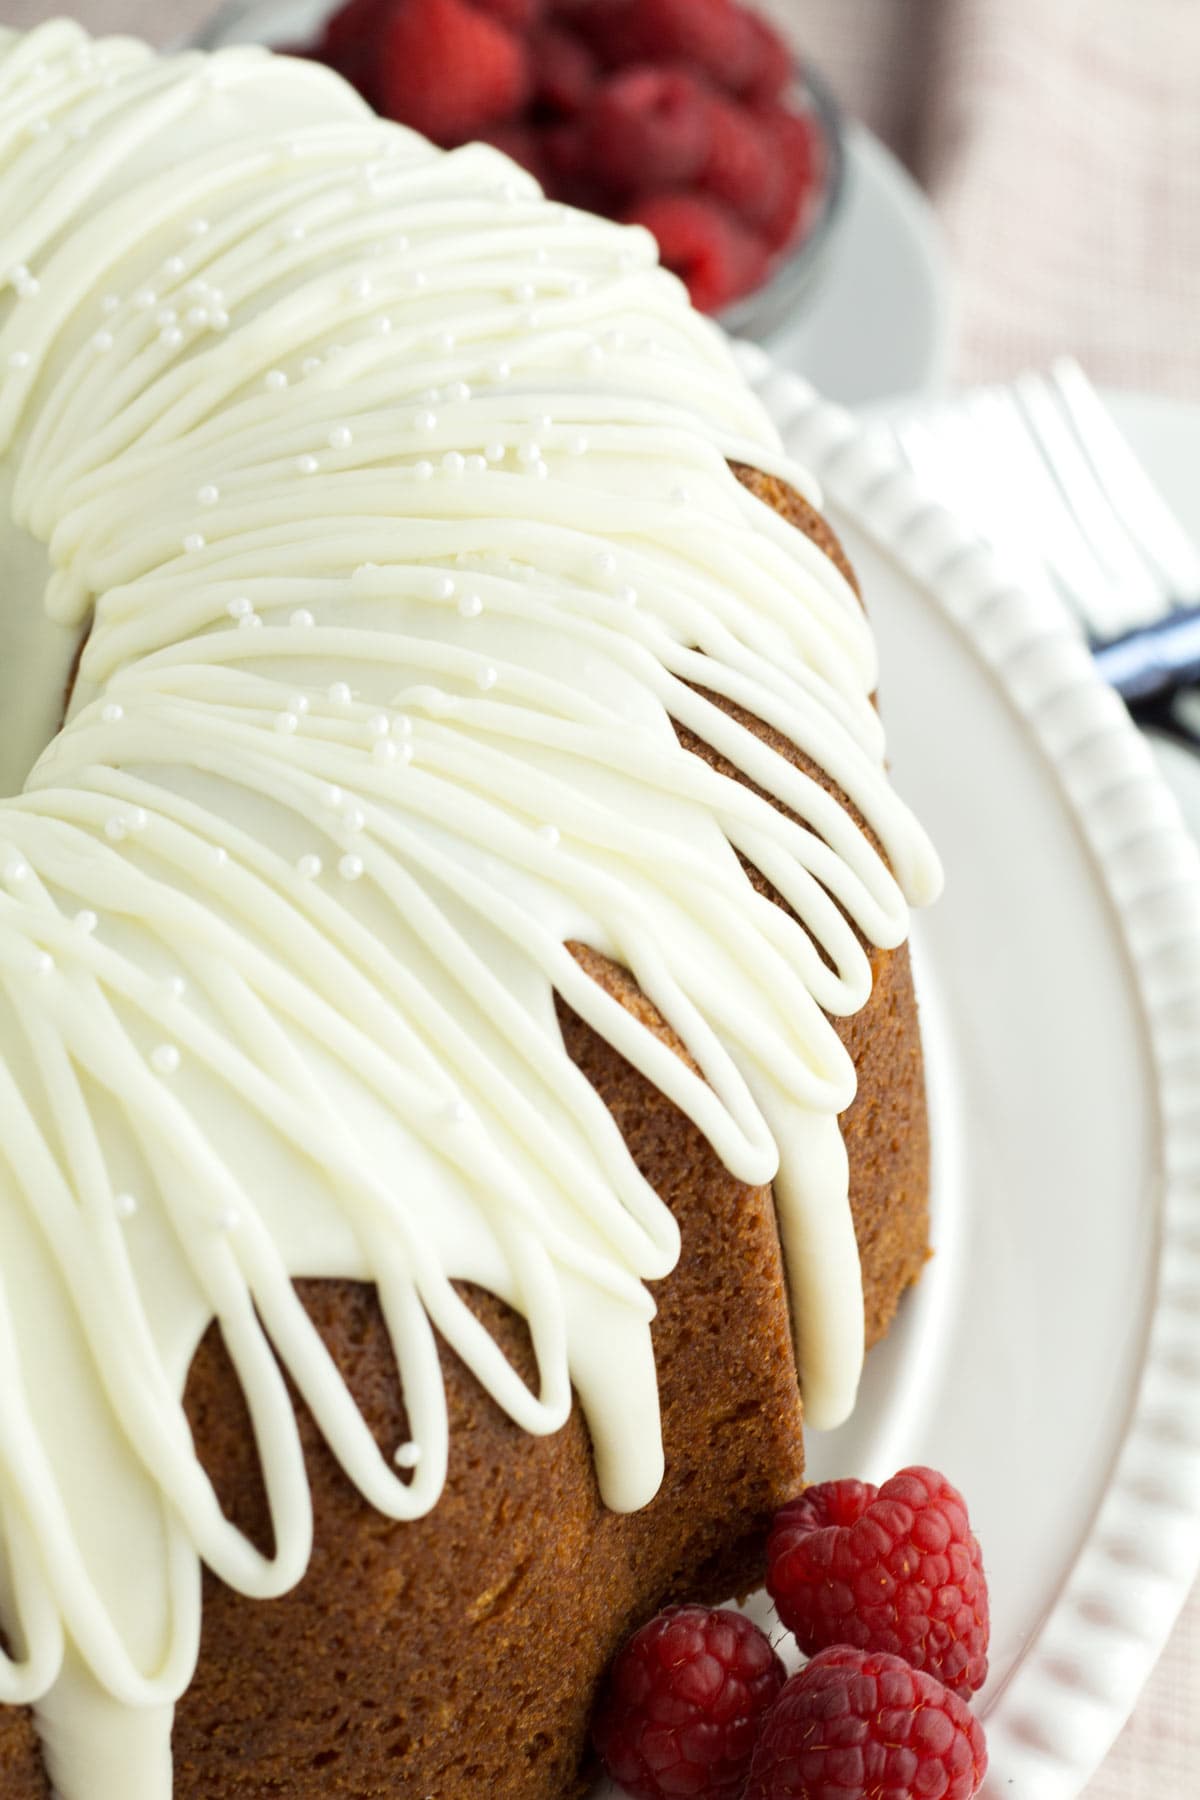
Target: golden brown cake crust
x,y
457,1656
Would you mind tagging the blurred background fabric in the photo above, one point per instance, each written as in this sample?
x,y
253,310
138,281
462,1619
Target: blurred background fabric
x,y
1059,142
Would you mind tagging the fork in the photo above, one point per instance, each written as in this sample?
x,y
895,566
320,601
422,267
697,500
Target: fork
x,y
1040,470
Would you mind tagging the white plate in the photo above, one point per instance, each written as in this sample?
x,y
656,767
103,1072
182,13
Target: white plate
x,y
879,320
1049,1361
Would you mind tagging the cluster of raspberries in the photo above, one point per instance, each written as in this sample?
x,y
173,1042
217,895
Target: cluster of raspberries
x,y
671,114
885,1593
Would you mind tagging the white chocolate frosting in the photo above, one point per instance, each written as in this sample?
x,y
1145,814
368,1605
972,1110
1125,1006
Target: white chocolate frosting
x,y
398,502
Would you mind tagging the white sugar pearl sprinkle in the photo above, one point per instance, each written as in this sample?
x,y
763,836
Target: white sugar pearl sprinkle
x,y
250,621
549,834
103,341
241,608
486,678
350,868
627,595
379,725
220,856
176,987
354,818
124,1205
339,693
454,462
209,494
529,453
307,465
309,866
43,963
171,339
578,445
476,464
286,723
425,421
194,541
470,606
298,703
341,437
275,380
333,795
115,829
19,359
174,265
112,712
444,588
604,563
384,751
165,1059
406,1456
85,921
423,471
302,619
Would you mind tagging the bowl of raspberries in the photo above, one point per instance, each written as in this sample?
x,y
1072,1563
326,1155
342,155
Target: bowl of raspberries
x,y
689,117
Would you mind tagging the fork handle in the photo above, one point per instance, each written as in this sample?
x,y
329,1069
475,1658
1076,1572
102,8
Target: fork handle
x,y
1170,719
1151,662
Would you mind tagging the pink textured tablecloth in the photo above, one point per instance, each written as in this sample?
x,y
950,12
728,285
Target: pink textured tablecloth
x,y
1059,141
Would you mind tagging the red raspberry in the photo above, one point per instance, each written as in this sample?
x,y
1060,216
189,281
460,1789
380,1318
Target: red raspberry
x,y
515,15
861,1725
646,128
711,35
354,24
524,144
741,167
565,73
700,240
448,70
683,1702
771,63
894,1569
798,149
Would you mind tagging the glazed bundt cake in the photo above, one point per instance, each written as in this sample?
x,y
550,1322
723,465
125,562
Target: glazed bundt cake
x,y
437,949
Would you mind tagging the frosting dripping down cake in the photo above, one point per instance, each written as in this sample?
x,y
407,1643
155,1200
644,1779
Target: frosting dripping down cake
x,y
428,645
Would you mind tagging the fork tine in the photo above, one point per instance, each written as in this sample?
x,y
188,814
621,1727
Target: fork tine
x,y
1033,504
1143,595
1130,492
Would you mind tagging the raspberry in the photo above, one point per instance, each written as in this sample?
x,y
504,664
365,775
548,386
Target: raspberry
x,y
564,71
683,1703
798,150
771,64
741,168
448,70
646,128
523,144
711,35
856,1725
895,1569
712,253
354,24
516,15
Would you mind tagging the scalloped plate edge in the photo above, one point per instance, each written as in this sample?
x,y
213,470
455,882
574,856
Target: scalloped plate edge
x,y
1051,1725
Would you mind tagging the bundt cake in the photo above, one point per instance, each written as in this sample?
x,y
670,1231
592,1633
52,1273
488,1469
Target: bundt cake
x,y
436,950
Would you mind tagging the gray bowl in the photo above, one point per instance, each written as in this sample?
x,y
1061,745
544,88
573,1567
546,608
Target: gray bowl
x,y
765,315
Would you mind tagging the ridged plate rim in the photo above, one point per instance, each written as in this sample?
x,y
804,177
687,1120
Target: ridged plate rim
x,y
1078,1679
